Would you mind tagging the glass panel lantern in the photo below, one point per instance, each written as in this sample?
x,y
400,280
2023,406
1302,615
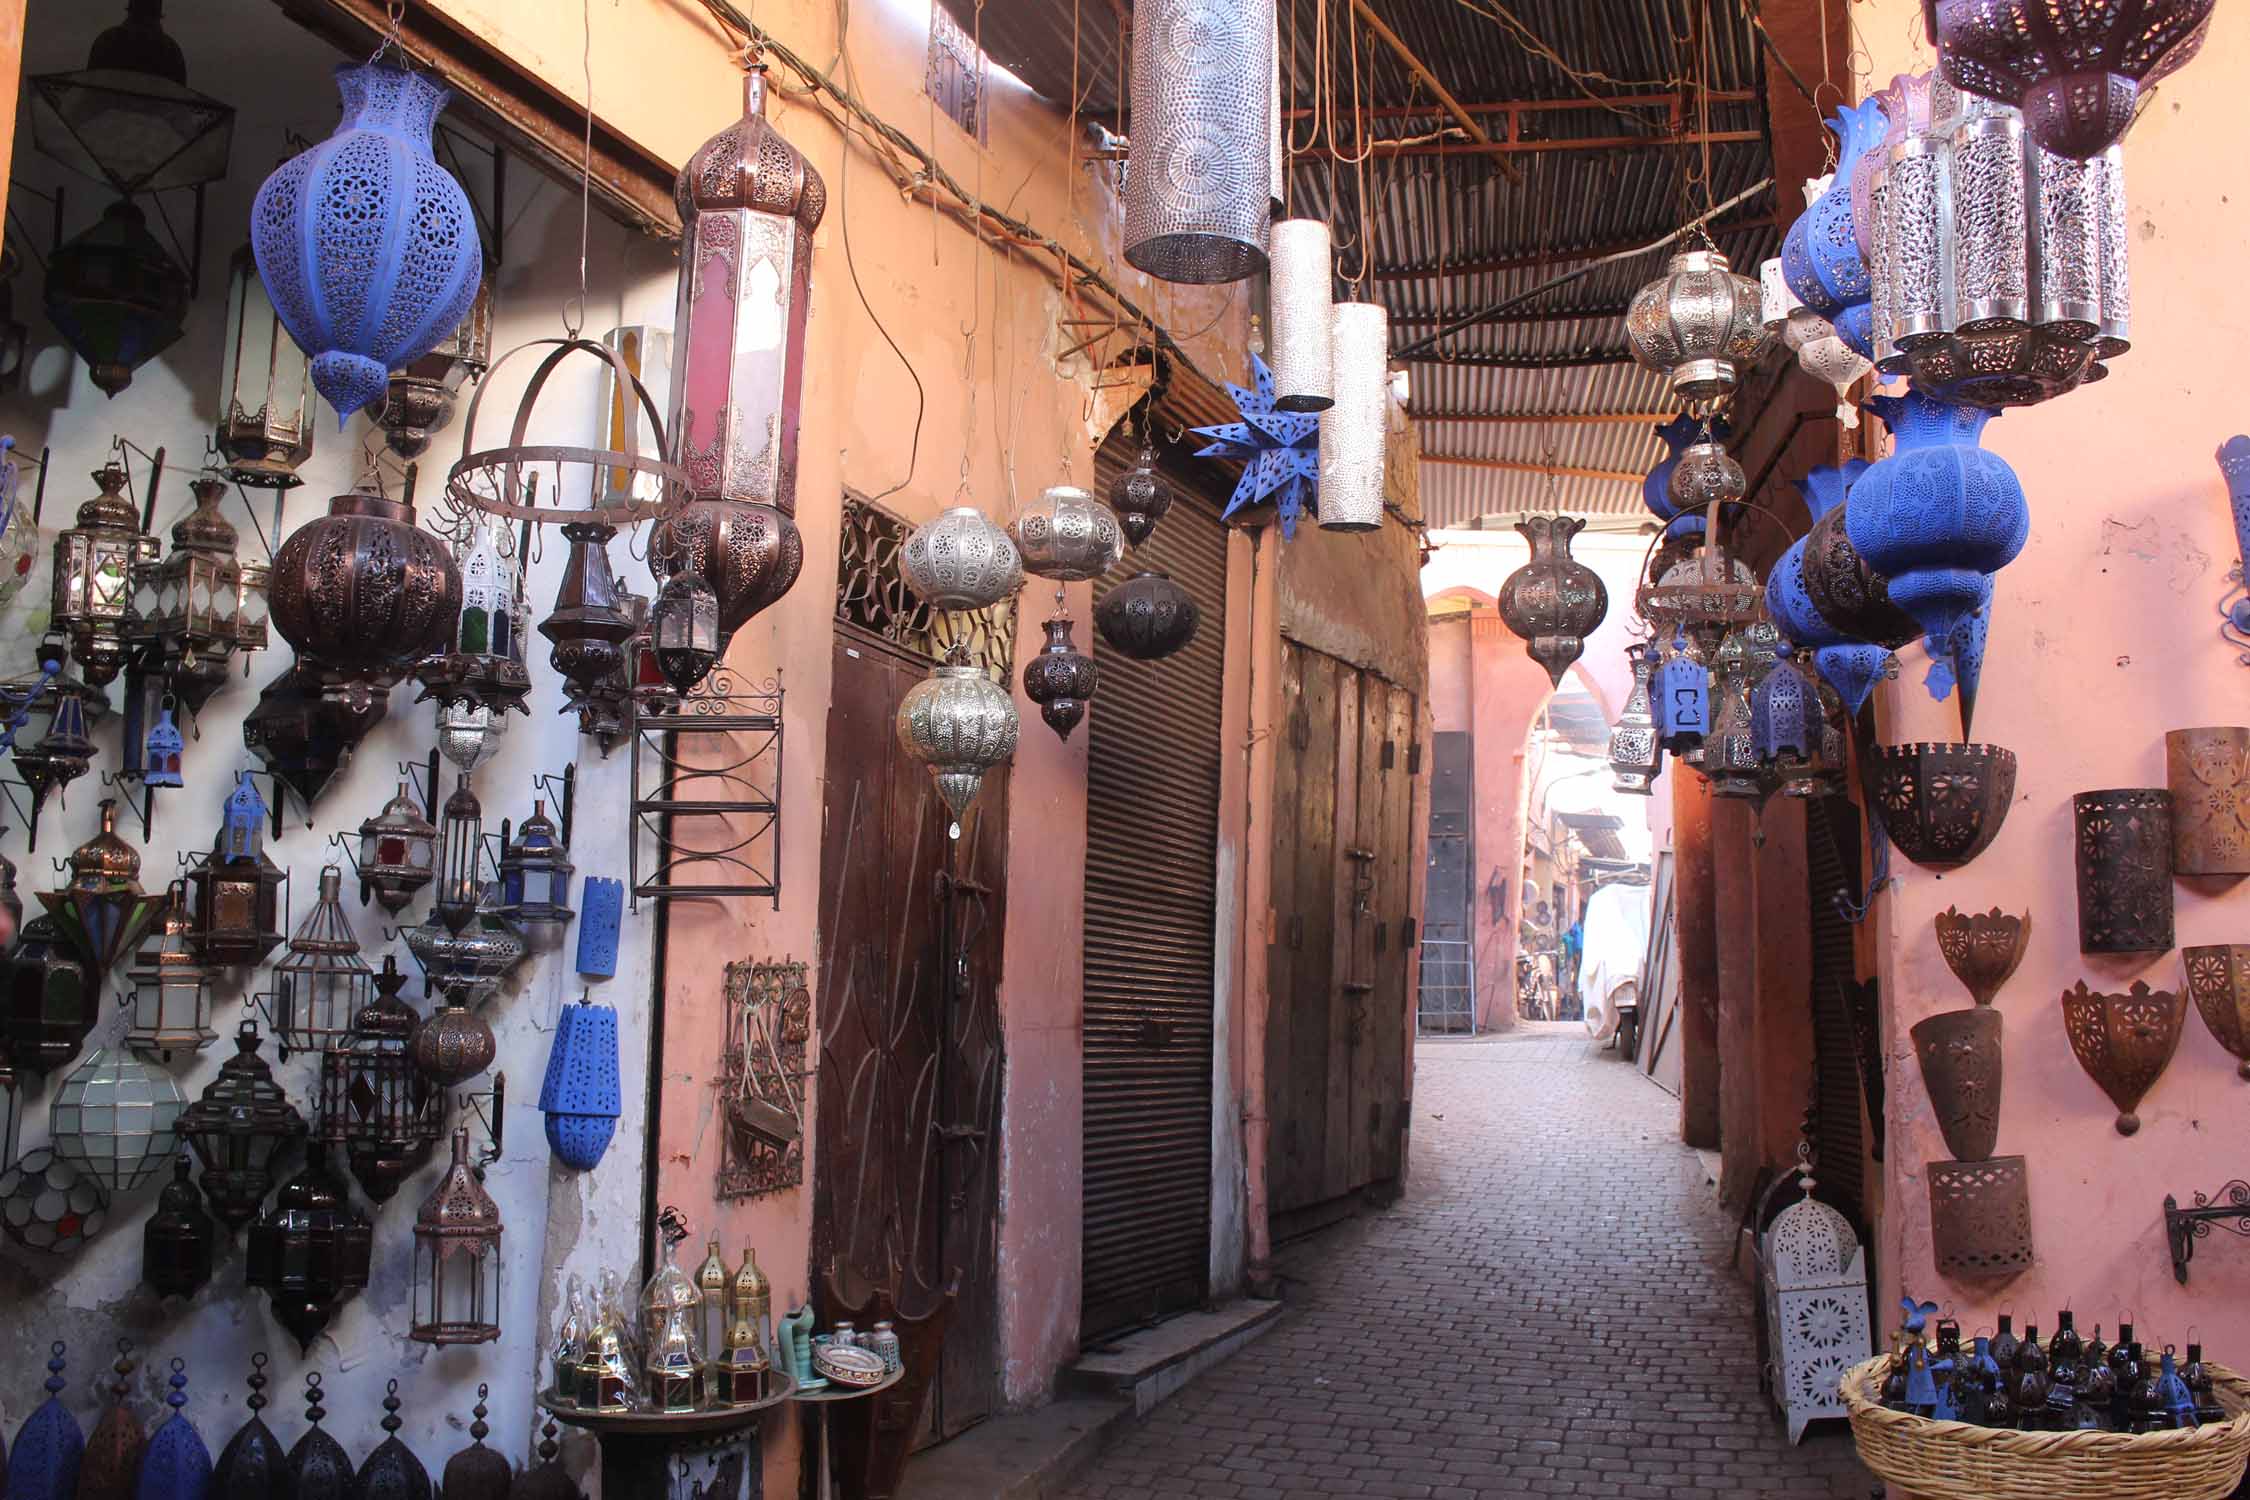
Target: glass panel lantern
x,y
171,988
323,984
19,533
374,1103
311,1252
239,1128
461,852
94,563
237,890
178,1239
266,410
50,1002
457,1258
186,608
397,852
116,1118
103,910
535,873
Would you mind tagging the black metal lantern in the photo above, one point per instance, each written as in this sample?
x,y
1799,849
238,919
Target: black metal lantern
x,y
310,1252
391,1472
323,984
128,118
177,1241
239,1127
266,410
683,627
186,621
52,1002
253,1465
457,1258
589,626
535,872
61,755
116,296
93,582
397,852
171,1004
418,401
103,910
237,890
374,1103
318,1468
460,856
478,1472
305,736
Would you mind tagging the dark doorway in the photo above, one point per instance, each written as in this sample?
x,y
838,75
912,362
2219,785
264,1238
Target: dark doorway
x,y
1446,1004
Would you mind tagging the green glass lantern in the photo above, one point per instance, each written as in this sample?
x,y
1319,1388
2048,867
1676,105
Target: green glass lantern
x,y
103,911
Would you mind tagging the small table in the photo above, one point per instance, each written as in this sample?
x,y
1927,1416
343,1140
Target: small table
x,y
820,1399
637,1446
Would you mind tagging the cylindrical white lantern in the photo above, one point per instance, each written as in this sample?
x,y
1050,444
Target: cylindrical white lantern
x,y
1198,185
1304,316
1353,431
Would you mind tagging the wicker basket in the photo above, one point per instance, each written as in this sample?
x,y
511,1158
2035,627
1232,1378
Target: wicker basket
x,y
1921,1459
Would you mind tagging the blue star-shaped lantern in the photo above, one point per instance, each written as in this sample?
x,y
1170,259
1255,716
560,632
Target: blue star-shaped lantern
x,y
1280,452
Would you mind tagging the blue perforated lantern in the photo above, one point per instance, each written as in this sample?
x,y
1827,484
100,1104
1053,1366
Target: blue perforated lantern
x,y
1785,717
1820,256
160,764
1683,698
1656,489
366,245
580,1095
176,1464
43,1464
1939,514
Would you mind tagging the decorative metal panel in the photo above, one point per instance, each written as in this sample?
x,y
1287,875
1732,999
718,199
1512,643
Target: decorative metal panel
x,y
873,594
762,1078
1980,1218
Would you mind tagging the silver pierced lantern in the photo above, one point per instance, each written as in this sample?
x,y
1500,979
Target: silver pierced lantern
x,y
1706,473
1634,757
1067,535
1355,431
959,560
1699,326
1303,299
1554,601
266,409
1198,185
117,1119
960,724
468,965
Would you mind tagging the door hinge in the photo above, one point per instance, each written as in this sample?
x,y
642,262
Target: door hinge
x,y
1406,934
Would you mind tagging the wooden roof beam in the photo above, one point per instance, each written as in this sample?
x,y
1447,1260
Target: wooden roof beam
x,y
1420,70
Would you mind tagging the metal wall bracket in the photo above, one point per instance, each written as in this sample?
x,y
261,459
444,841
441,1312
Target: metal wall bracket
x,y
2228,1209
707,792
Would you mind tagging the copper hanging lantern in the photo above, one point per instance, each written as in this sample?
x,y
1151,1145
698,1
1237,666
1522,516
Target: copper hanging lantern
x,y
397,853
178,1241
93,583
52,1001
239,1128
374,1104
304,734
589,626
309,1253
418,399
171,989
103,911
2124,1041
535,873
2124,850
195,609
460,884
1060,679
2208,773
454,1045
457,1258
1699,325
237,889
364,594
1983,950
322,984
477,1472
1147,617
2075,67
1140,497
266,407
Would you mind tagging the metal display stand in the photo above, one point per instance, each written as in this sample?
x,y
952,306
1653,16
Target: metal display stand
x,y
639,1446
820,1400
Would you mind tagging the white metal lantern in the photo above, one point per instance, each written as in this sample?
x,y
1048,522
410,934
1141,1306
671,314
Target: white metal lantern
x,y
1815,1275
1699,325
117,1119
1303,296
1353,432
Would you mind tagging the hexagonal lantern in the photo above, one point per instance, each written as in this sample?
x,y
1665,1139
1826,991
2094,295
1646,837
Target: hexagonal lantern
x,y
103,910
310,1252
457,1258
237,890
323,984
460,857
50,1003
186,621
171,999
535,872
397,852
239,1129
374,1103
94,563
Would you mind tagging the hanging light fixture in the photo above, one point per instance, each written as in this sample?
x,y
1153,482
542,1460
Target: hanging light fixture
x,y
94,563
19,529
468,965
580,1094
1060,679
1634,756
418,401
397,852
1302,295
128,118
171,989
478,1472
266,411
50,1443
960,724
1699,325
455,1044
457,1258
460,857
304,734
309,1254
117,1119
323,983
116,296
237,889
103,910
374,1105
1147,617
1683,698
1355,429
481,677
178,1240
589,626
1140,497
364,595
535,872
683,631
1554,601
65,752
239,1128
51,1000
959,560
1066,536
2075,67
112,1461
1197,188
253,1465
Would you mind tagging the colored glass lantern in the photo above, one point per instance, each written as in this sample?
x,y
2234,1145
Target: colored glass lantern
x,y
322,983
112,1461
103,910
237,890
419,399
366,245
186,621
161,751
683,631
52,1002
535,872
177,1465
1554,601
318,1467
364,594
1634,756
580,1094
178,1239
478,1472
589,626
2075,67
253,1465
374,1104
1140,497
239,1128
457,1258
116,296
43,1462
48,1206
391,1472
460,885
117,1119
468,965
266,411
1198,185
1698,325
94,563
397,852
1061,679
960,724
60,756
171,989
309,1253
304,734
483,667
1066,535
128,118
1147,617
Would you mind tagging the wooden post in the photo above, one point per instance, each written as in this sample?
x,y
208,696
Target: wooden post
x,y
1696,937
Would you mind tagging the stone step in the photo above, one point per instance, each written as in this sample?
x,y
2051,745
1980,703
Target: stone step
x,y
1033,1455
1150,1364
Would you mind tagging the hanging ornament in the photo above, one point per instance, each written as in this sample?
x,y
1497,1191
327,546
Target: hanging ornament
x,y
453,1046
1139,498
253,1465
589,626
322,984
1634,757
116,296
683,631
266,410
116,1119
960,560
304,735
1683,698
129,119
94,563
397,854
1554,602
1355,431
178,1239
366,245
237,889
1279,450
103,910
1301,292
309,1253
1147,617
43,1462
960,724
1706,475
374,1105
1065,536
239,1128
418,400
477,1472
2075,67
364,594
482,668
1675,435
1730,752
457,1258
1820,255
1197,188
1939,514
112,1460
580,1094
1060,679
1698,326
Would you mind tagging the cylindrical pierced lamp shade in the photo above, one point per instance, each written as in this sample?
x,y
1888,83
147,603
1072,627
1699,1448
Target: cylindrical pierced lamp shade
x,y
1352,432
1303,351
1197,188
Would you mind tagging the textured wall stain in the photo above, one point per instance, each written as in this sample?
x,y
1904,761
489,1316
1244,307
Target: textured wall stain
x,y
2184,561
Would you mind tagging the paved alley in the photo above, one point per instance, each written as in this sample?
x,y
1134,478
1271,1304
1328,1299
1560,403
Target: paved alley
x,y
1547,1312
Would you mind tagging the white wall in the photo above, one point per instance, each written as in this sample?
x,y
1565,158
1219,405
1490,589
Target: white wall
x,y
278,77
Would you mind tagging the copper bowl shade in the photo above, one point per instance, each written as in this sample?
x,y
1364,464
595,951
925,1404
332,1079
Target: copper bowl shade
x,y
1942,804
1982,951
2124,850
2208,772
2124,1041
1961,1067
1980,1218
2218,977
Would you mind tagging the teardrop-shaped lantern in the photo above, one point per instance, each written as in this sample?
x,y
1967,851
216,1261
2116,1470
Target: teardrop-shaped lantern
x,y
363,593
253,1465
111,1466
580,1094
1554,601
309,1253
1140,497
178,1240
960,724
43,1462
1939,514
1060,679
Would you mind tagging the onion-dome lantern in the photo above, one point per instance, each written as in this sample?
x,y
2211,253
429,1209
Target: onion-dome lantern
x,y
117,1119
1698,325
960,724
2075,67
93,582
580,1094
1706,474
391,1472
478,1472
50,1444
103,909
177,1462
1820,255
253,1465
364,594
1147,617
535,872
375,1105
239,1128
397,852
366,245
318,1468
1066,535
457,1258
112,1461
322,983
171,988
309,1253
51,1000
1140,497
1554,601
958,559
238,888
65,752
1060,679
178,1239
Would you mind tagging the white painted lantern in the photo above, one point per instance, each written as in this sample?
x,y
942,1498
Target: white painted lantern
x,y
1815,1276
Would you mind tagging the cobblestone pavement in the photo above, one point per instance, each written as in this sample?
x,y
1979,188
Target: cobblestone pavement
x,y
1548,1311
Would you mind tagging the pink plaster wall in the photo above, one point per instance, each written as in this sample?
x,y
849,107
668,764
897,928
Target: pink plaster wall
x,y
2103,638
1449,673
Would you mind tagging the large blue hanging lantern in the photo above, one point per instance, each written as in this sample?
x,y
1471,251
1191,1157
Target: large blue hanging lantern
x,y
1961,664
176,1463
367,247
580,1095
1938,515
1820,256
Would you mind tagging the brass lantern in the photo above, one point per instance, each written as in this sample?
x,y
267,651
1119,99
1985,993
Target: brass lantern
x,y
419,399
93,585
186,622
460,857
374,1103
239,1127
364,594
397,853
171,1004
310,1252
323,983
103,910
457,1258
266,406
237,889
535,872
51,1001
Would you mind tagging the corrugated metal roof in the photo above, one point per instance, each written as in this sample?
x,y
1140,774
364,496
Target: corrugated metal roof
x,y
1428,216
